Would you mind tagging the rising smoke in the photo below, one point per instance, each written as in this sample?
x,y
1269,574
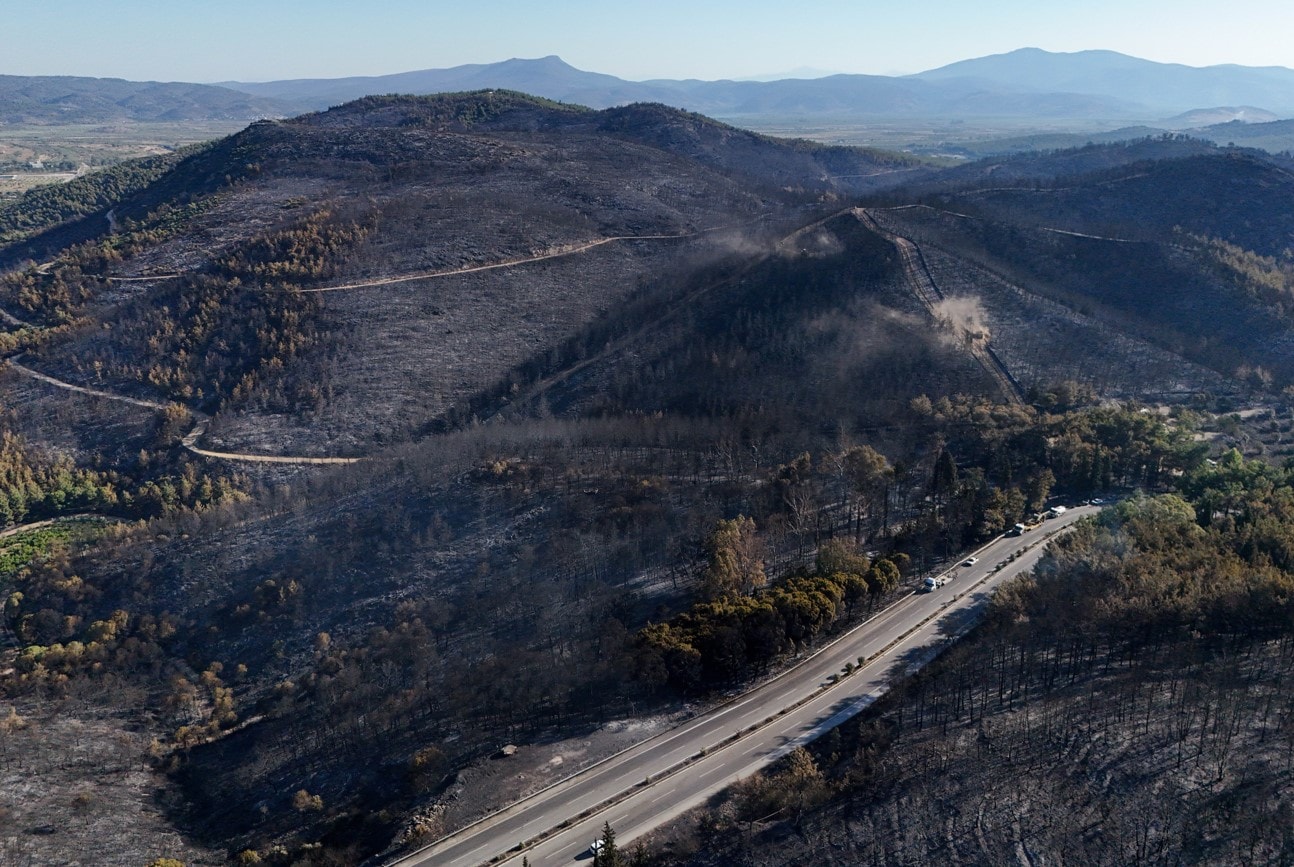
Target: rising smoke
x,y
818,243
964,317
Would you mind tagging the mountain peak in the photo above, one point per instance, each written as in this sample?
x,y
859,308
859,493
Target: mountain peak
x,y
548,62
1170,86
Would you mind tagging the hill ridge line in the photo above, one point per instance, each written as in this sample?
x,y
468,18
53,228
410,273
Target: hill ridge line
x,y
927,290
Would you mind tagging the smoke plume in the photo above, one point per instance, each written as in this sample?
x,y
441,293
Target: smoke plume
x,y
964,317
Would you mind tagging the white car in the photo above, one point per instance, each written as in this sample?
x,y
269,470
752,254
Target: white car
x,y
970,561
596,847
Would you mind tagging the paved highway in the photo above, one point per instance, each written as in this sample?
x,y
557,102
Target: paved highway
x,y
660,778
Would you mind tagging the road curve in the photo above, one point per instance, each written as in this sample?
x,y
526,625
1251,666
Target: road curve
x,y
658,779
200,422
557,253
81,389
507,263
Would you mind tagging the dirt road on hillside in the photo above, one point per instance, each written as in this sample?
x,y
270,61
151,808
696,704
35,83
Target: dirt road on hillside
x,y
200,422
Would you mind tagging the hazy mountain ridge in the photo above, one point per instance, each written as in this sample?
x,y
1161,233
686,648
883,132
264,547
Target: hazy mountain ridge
x,y
1163,85
1219,115
1021,84
553,78
1275,137
1028,82
68,99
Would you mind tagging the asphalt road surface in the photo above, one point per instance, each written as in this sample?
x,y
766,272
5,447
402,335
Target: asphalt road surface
x,y
660,778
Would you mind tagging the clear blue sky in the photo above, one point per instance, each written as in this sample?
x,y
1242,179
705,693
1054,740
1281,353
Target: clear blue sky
x,y
256,40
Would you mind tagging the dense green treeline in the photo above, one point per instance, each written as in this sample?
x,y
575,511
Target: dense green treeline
x,y
1218,560
724,640
45,207
32,488
35,485
140,477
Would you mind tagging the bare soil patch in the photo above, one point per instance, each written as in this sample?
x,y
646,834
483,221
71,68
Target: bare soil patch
x,y
72,777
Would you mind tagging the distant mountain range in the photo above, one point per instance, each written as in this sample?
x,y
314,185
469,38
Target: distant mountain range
x,y
60,99
1024,83
1161,87
1275,136
1028,83
836,95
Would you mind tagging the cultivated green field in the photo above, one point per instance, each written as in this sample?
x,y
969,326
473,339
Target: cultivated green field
x,y
34,155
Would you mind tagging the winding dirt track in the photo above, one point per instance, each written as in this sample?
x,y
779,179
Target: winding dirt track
x,y
201,428
80,389
200,422
508,263
143,279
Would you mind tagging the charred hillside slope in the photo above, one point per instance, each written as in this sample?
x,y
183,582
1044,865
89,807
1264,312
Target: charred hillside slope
x,y
335,280
562,347
1182,248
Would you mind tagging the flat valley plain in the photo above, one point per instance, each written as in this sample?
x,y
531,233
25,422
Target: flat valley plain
x,y
63,151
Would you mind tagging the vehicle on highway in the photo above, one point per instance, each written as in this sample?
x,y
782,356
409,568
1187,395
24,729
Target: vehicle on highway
x,y
933,583
1029,524
1056,511
595,848
970,561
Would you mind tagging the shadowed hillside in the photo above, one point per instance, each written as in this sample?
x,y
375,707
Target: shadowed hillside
x,y
1183,246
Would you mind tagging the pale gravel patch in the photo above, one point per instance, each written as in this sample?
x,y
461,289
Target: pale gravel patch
x,y
77,789
494,783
